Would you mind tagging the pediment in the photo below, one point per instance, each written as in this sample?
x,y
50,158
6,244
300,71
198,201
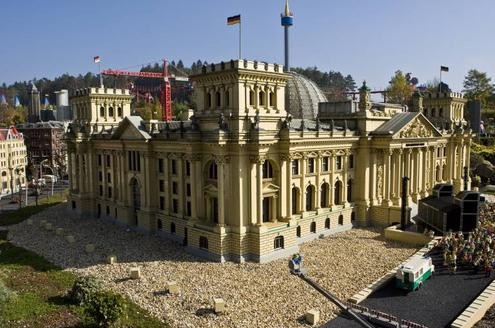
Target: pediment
x,y
129,129
419,127
210,189
270,188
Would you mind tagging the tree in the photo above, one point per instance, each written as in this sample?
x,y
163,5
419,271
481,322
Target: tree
x,y
149,111
478,86
399,90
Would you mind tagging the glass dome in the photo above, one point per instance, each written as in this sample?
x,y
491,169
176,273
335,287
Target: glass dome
x,y
302,97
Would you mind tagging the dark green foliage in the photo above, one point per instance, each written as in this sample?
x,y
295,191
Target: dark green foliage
x,y
106,308
84,289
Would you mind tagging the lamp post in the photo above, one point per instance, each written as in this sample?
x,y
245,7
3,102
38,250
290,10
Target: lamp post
x,y
18,171
53,172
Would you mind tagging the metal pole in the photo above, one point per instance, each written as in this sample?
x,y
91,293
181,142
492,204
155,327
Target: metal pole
x,y
240,39
99,71
336,301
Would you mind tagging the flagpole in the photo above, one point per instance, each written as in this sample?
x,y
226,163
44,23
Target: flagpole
x,y
440,85
240,40
99,71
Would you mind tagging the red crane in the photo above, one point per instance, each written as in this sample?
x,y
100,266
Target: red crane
x,y
166,92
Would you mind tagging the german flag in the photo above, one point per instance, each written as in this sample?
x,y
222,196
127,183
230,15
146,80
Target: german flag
x,y
233,20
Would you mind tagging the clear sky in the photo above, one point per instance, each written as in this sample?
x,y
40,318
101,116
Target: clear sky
x,y
364,38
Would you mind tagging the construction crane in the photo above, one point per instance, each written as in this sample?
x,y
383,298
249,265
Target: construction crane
x,y
166,97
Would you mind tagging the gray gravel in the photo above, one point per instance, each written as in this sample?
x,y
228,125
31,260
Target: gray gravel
x,y
256,295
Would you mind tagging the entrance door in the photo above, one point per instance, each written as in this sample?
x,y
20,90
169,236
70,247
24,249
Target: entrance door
x,y
266,209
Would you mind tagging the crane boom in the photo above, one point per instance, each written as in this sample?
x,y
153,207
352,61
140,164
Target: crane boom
x,y
166,96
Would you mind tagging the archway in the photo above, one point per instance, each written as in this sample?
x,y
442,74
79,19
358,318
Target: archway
x,y
338,193
295,200
349,191
324,195
310,198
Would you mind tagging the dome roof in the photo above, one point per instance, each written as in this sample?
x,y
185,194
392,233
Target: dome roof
x,y
302,97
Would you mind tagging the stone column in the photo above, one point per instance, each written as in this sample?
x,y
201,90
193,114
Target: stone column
x,y
387,177
317,186
303,163
373,180
259,189
345,177
285,191
198,203
331,184
253,194
220,161
424,173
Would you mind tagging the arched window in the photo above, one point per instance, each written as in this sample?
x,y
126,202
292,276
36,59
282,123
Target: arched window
x,y
172,227
227,99
267,170
278,242
353,216
327,223
444,172
219,104
440,112
309,198
341,219
212,171
298,231
159,225
433,112
262,98
272,99
338,192
110,111
251,98
437,173
209,96
102,111
119,111
324,195
295,200
312,227
349,191
203,242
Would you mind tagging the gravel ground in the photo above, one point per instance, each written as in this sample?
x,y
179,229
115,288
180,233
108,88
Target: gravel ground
x,y
256,295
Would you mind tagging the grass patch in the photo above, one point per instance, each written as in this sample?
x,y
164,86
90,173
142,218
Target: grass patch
x,y
41,289
17,216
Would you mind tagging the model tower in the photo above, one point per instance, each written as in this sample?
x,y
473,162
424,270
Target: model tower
x,y
287,19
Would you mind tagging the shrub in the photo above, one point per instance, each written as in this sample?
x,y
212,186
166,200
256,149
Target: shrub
x,y
84,288
5,293
106,308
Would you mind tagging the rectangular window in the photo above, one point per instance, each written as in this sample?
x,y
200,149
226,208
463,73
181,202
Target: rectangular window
x,y
188,190
109,192
108,160
160,165
188,209
100,176
175,188
295,167
351,161
101,190
324,164
99,159
161,184
338,163
311,165
175,205
109,178
162,203
174,167
188,168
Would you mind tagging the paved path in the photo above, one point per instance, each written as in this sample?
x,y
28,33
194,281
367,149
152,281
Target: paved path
x,y
437,304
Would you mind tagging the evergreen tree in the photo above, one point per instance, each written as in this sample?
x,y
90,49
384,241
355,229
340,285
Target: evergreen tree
x,y
478,86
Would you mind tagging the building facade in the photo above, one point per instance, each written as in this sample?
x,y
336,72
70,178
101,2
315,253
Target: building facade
x,y
45,144
250,177
12,160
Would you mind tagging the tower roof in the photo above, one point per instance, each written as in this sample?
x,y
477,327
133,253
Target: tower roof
x,y
287,10
33,87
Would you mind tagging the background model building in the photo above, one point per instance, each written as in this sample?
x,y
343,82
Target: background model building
x,y
263,165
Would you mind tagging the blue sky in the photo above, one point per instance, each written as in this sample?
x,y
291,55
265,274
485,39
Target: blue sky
x,y
367,39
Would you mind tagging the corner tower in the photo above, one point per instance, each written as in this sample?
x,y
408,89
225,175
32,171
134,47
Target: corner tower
x,y
287,20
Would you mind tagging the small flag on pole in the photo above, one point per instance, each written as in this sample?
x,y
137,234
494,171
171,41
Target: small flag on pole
x,y
444,68
233,20
97,59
